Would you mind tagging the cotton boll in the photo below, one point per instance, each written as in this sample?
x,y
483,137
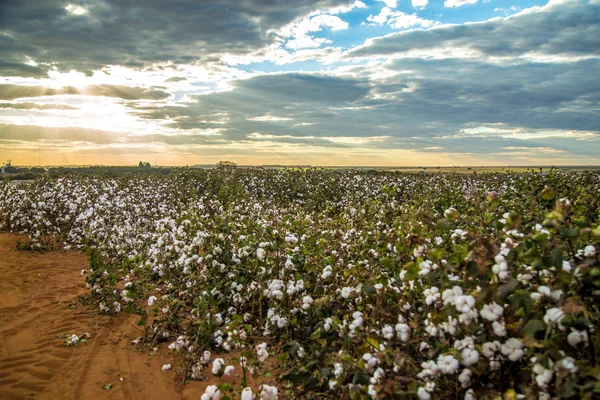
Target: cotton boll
x,y
465,378
217,366
469,357
212,392
492,312
261,352
228,370
576,337
589,251
513,349
247,394
423,394
268,393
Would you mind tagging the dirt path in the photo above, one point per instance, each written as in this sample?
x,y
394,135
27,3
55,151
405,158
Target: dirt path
x,y
38,302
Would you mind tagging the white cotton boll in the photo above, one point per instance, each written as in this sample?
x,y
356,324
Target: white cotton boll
x,y
465,378
151,300
431,295
217,366
228,370
499,328
470,395
589,251
261,253
247,394
448,364
543,375
423,394
489,349
212,392
327,324
544,291
513,349
554,316
492,312
307,302
402,331
469,357
282,322
568,364
576,337
268,393
464,304
387,332
449,296
338,369
261,352
327,271
166,367
332,384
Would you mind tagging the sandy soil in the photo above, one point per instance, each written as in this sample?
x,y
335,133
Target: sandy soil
x,y
39,302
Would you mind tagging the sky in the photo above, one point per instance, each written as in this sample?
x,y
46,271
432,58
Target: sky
x,y
311,82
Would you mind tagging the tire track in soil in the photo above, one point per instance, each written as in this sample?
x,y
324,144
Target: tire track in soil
x,y
37,291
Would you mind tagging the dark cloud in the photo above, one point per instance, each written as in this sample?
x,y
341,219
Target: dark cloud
x,y
34,106
176,79
137,33
567,29
10,92
430,107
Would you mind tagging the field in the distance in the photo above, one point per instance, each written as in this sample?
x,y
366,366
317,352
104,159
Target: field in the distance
x,y
324,283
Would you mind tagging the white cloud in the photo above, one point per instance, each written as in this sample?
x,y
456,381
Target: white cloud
x,y
419,3
458,3
399,20
299,31
390,3
76,10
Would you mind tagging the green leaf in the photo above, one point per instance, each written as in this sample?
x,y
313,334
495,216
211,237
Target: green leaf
x,y
107,386
412,271
507,288
570,232
534,326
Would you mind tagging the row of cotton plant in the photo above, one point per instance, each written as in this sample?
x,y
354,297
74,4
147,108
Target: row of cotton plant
x,y
360,284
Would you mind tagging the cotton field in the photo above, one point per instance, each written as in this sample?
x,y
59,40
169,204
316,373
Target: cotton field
x,y
360,284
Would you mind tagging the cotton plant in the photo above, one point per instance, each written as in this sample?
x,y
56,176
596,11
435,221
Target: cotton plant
x,y
428,285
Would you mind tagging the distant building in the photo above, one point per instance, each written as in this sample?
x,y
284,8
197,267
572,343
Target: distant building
x,y
3,168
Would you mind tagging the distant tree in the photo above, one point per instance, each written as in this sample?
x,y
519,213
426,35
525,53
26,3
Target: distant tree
x,y
226,164
144,164
141,164
11,170
38,170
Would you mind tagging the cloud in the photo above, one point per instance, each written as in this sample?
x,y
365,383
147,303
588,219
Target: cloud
x,y
399,19
34,106
390,3
569,29
10,92
300,31
420,3
139,33
458,3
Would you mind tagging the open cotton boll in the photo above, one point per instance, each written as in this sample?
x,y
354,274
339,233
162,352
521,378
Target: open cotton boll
x,y
247,394
151,300
268,393
217,366
212,392
228,370
261,352
166,367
